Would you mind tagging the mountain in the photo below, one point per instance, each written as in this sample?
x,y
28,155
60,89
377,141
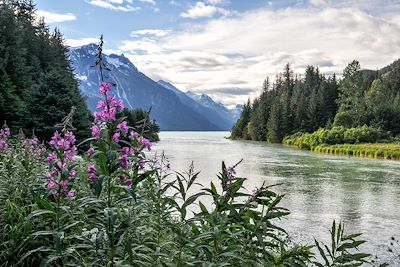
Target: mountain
x,y
208,102
138,91
236,111
214,112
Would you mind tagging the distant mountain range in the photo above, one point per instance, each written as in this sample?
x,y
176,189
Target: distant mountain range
x,y
171,108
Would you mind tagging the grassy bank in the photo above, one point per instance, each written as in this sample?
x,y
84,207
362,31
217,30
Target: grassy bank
x,y
377,150
360,141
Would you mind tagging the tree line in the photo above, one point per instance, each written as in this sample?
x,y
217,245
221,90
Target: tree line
x,y
37,84
294,103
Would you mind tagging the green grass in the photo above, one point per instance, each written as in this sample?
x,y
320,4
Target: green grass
x,y
371,150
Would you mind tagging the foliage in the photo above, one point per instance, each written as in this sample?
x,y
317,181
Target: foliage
x,y
293,104
140,119
360,141
111,206
37,85
155,221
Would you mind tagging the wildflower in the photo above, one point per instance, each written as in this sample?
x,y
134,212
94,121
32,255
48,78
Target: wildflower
x,y
125,150
34,141
145,142
90,151
64,184
5,132
105,88
91,169
54,139
61,165
51,184
72,174
101,105
128,183
133,135
230,174
124,161
68,155
116,137
123,127
71,194
3,146
70,137
96,131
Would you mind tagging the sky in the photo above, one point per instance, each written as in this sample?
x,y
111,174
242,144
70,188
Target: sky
x,y
226,48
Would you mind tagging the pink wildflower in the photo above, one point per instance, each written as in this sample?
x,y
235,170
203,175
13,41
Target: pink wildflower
x,y
3,146
96,131
133,135
123,127
61,165
116,137
105,87
71,194
90,151
51,157
124,161
72,174
51,184
145,142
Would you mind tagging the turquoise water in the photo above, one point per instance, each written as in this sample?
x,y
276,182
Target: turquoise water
x,y
318,188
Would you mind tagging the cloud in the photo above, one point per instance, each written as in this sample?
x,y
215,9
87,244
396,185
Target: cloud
x,y
239,52
153,2
217,2
150,32
53,17
80,42
115,5
200,10
174,3
318,2
231,91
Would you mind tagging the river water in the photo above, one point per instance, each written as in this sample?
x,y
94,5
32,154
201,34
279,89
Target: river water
x,y
318,188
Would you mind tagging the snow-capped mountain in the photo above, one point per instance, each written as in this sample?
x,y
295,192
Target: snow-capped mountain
x,y
214,112
138,91
208,102
236,111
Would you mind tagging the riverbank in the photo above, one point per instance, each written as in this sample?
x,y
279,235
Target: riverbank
x,y
372,150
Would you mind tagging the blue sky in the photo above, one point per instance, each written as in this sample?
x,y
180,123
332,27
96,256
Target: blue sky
x,y
226,48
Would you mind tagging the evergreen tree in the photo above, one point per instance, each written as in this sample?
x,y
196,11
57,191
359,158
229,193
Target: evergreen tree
x,y
37,85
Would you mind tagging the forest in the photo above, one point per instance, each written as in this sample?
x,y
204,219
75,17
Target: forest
x,y
305,103
37,83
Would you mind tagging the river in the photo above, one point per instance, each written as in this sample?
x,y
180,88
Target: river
x,y
318,188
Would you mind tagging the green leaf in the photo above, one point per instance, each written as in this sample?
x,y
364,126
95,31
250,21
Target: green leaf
x,y
37,213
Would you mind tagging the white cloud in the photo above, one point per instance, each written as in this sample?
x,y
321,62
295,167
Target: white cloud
x,y
52,17
153,2
318,2
217,2
80,42
115,5
174,3
201,9
150,32
225,55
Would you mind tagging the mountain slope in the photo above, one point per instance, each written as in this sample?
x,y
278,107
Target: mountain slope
x,y
136,90
216,113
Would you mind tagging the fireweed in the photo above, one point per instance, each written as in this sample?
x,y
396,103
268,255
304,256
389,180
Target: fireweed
x,y
115,207
4,134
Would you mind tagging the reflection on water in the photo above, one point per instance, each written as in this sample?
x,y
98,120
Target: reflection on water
x,y
318,188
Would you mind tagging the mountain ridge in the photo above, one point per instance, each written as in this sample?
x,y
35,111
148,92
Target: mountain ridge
x,y
136,90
